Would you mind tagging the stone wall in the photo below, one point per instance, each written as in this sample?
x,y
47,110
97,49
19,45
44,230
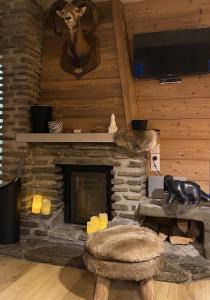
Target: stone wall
x,y
21,49
128,184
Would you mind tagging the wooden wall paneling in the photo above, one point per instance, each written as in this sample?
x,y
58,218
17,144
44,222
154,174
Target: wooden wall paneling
x,y
180,111
127,81
89,102
163,9
82,89
182,129
163,15
185,149
87,124
192,169
190,87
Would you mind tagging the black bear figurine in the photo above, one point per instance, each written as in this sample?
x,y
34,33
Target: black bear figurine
x,y
185,191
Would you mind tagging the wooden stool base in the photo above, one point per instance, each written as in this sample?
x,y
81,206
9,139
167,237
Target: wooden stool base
x,y
146,289
102,289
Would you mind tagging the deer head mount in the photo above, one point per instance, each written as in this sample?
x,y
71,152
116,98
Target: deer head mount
x,y
81,50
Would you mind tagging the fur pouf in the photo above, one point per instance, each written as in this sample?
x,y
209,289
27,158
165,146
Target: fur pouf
x,y
121,270
129,244
136,141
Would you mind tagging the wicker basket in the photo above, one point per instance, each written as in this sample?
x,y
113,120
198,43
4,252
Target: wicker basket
x,y
55,127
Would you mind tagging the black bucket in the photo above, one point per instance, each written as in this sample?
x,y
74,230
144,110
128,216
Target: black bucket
x,y
40,116
9,212
139,124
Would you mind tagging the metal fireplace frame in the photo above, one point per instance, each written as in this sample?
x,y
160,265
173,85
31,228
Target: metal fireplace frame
x,y
69,190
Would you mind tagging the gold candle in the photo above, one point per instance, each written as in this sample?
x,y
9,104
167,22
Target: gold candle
x,y
46,207
95,221
103,225
103,218
91,228
37,204
103,221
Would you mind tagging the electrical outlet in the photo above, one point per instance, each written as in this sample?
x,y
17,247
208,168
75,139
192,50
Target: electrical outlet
x,y
155,162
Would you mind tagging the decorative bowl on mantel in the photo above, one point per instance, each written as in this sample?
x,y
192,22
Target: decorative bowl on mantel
x,y
55,127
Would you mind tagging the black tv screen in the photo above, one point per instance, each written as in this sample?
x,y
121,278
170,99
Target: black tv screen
x,y
172,53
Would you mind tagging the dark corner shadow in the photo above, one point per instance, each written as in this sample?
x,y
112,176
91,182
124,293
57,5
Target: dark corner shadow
x,y
83,288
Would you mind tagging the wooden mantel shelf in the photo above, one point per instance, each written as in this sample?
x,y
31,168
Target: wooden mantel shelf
x,y
65,138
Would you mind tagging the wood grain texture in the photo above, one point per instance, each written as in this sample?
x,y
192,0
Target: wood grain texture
x,y
180,111
127,82
89,102
102,289
23,280
160,15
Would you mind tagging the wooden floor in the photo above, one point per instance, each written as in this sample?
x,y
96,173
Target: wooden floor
x,y
23,280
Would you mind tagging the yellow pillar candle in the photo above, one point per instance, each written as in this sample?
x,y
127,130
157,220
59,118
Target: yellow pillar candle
x,y
95,221
103,225
103,218
46,207
91,228
103,221
37,204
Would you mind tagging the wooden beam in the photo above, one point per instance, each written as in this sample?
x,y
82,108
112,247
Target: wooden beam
x,y
127,81
65,138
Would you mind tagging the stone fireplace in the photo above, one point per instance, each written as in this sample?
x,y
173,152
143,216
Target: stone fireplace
x,y
58,169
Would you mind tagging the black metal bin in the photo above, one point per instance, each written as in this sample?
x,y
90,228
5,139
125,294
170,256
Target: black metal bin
x,y
9,212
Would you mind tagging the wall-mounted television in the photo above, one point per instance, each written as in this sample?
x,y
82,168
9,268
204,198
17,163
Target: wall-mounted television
x,y
171,53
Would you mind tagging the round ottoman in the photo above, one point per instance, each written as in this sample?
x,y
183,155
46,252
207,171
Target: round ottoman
x,y
124,252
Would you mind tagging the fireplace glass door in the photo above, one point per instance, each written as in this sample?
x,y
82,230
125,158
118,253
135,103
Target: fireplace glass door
x,y
87,192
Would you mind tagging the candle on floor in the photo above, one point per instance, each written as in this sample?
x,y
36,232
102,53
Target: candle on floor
x,y
46,207
91,228
37,204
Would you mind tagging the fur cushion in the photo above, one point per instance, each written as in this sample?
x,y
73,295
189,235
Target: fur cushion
x,y
122,270
125,243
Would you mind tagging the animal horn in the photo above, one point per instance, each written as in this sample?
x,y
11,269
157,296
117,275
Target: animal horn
x,y
92,8
57,5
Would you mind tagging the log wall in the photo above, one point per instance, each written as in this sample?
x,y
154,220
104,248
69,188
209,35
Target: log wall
x,y
89,102
180,111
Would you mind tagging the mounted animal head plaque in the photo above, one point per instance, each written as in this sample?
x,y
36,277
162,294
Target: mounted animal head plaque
x,y
81,49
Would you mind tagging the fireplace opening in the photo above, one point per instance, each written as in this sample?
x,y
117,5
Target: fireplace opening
x,y
87,192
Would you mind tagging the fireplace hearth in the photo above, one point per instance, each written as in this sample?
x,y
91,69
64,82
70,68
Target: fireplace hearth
x,y
82,180
87,192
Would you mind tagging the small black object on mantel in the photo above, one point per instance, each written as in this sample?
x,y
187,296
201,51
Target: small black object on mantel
x,y
185,191
139,124
40,116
